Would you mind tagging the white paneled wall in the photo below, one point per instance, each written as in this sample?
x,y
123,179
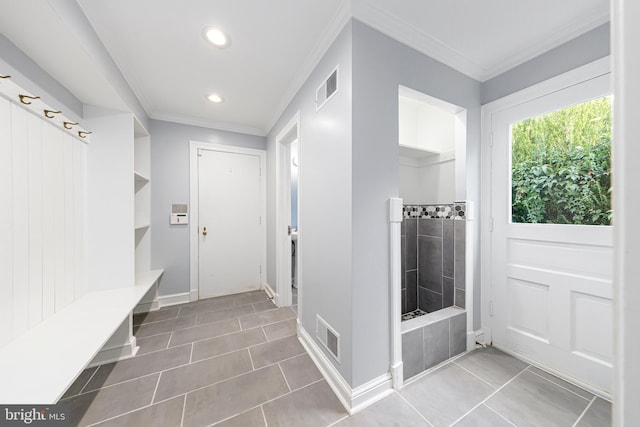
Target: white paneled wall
x,y
42,219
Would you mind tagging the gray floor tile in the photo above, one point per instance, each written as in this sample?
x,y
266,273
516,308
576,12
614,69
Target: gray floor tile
x,y
275,351
446,394
250,298
264,306
164,326
530,400
282,329
266,317
562,383
392,411
163,414
492,365
110,402
227,343
224,314
252,418
300,371
156,316
226,399
153,343
598,414
204,305
210,330
184,379
483,417
80,382
315,405
113,373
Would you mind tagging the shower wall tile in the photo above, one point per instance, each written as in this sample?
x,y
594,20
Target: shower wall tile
x,y
436,343
412,251
448,248
430,265
459,254
430,227
458,340
448,294
428,300
460,298
412,290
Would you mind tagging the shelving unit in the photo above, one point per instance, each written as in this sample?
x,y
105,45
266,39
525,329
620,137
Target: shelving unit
x,y
142,199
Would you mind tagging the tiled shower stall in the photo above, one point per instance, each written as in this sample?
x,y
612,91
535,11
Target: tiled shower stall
x,y
433,246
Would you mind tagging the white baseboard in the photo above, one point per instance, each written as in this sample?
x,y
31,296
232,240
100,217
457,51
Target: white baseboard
x,y
145,307
115,354
269,290
174,299
354,400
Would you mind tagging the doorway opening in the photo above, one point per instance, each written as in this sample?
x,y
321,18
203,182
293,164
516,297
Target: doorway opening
x,y
435,247
288,219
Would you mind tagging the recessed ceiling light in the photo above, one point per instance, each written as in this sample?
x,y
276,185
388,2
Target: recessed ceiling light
x,y
217,37
215,98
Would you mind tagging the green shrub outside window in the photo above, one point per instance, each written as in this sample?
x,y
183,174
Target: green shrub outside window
x,y
561,166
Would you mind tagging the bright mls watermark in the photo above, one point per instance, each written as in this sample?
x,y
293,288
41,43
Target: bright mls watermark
x,y
34,415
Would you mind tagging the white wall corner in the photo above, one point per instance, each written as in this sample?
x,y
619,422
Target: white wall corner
x,y
353,400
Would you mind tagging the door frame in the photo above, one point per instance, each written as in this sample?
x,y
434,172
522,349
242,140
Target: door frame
x,y
581,74
282,293
194,252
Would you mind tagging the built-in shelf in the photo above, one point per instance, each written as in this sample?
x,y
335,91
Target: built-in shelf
x,y
416,153
142,226
140,179
145,279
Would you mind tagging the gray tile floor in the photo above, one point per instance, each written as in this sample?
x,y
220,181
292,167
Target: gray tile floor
x,y
235,361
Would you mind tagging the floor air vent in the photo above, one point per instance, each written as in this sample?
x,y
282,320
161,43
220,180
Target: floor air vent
x,y
327,89
329,338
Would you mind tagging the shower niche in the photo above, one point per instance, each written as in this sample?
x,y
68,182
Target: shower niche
x,y
432,143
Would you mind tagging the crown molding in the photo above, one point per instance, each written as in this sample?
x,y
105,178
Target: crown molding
x,y
578,26
331,32
396,28
210,124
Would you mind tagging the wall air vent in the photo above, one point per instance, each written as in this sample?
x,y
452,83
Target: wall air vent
x,y
327,89
329,338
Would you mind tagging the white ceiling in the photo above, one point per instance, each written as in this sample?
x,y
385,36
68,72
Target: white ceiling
x,y
159,48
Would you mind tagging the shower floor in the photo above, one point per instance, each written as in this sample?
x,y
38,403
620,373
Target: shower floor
x,y
413,314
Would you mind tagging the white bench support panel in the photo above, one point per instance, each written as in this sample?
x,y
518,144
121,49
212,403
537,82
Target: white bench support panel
x,y
39,366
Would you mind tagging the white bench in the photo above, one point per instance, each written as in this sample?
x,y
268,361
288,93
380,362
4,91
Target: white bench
x,y
39,366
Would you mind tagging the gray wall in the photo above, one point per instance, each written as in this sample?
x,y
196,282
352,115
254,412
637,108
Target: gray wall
x,y
380,64
170,184
583,49
324,243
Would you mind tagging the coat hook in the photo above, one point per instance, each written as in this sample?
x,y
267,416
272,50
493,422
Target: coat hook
x,y
4,77
50,113
23,97
82,134
69,125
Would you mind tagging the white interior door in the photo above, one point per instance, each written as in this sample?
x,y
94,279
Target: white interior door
x,y
552,283
229,203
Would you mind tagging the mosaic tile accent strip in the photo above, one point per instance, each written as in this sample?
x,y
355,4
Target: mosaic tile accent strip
x,y
449,211
413,314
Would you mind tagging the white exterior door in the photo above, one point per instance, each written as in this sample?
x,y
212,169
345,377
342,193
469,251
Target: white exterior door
x,y
229,215
552,283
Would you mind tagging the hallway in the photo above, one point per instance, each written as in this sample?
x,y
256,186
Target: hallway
x,y
235,361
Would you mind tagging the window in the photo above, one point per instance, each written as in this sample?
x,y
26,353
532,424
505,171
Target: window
x,y
561,166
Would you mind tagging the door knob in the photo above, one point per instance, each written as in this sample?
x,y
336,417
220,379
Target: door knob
x,y
204,231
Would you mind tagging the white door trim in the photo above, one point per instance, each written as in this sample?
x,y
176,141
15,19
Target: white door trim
x,y
288,134
194,146
586,72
